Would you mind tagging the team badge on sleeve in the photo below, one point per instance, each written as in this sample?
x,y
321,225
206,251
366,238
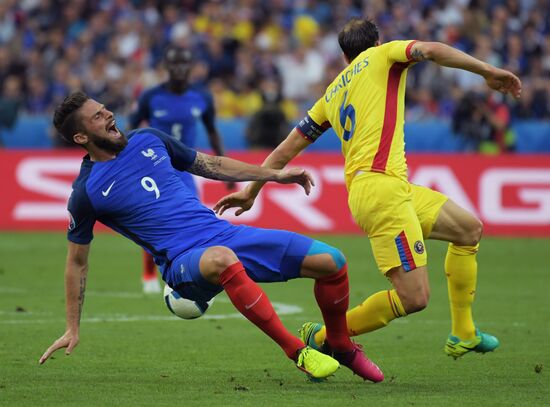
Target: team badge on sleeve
x,y
419,247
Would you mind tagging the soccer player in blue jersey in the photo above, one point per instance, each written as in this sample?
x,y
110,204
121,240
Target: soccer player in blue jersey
x,y
132,185
175,107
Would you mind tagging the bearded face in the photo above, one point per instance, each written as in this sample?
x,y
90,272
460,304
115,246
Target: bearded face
x,y
100,127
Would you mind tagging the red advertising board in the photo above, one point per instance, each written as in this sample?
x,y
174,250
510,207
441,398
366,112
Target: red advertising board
x,y
511,194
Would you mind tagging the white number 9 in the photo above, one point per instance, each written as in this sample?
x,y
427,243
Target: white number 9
x,y
150,185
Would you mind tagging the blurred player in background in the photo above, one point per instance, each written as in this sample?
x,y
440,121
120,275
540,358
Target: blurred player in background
x,y
175,107
365,107
132,185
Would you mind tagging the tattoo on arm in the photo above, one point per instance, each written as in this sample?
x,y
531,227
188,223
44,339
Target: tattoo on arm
x,y
208,167
81,294
418,55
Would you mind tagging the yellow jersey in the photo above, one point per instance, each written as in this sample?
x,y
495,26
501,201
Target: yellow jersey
x,y
365,106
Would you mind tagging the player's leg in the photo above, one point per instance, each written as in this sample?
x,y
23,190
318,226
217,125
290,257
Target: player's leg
x,y
328,266
149,278
458,226
382,207
220,265
463,230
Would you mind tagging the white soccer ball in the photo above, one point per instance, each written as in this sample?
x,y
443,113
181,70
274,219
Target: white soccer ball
x,y
182,307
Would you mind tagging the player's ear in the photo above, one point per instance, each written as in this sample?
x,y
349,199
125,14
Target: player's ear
x,y
80,138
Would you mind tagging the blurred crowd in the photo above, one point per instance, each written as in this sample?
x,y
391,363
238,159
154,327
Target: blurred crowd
x,y
252,52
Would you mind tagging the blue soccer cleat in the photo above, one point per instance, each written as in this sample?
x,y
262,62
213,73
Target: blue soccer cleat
x,y
482,343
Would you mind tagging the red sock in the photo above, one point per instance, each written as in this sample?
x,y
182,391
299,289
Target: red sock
x,y
252,302
332,295
149,271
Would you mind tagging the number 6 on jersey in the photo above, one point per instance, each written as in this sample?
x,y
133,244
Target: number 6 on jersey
x,y
347,112
150,185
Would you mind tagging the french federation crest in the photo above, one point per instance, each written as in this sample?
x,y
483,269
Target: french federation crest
x,y
419,247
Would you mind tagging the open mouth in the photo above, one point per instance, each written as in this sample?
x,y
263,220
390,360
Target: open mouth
x,y
111,128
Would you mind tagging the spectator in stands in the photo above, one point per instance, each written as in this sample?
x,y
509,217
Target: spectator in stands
x,y
268,126
240,42
37,98
483,124
10,101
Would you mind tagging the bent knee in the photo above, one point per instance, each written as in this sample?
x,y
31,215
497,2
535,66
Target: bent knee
x,y
216,259
330,261
472,235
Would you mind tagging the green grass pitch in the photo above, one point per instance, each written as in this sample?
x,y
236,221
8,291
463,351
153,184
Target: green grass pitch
x,y
132,352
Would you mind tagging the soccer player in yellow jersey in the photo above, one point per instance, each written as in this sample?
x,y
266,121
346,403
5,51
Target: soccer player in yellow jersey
x,y
365,107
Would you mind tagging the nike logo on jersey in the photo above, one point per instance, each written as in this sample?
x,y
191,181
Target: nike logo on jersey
x,y
254,303
196,112
160,113
106,192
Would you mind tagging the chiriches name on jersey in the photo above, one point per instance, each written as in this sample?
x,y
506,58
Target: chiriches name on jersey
x,y
346,78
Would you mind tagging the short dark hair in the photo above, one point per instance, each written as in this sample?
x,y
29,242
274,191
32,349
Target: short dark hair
x,y
357,35
65,115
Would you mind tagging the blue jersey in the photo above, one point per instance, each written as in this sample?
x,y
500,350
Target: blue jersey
x,y
175,114
141,195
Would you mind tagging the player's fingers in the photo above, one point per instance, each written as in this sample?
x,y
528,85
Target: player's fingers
x,y
49,352
71,346
44,357
239,211
219,204
310,178
307,187
222,209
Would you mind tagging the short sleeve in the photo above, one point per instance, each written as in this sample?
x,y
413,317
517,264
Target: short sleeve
x,y
181,156
142,112
315,123
400,51
82,217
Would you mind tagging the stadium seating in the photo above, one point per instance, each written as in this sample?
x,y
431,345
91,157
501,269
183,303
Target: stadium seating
x,y
430,136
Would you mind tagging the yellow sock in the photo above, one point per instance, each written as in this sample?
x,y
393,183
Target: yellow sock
x,y
461,271
375,312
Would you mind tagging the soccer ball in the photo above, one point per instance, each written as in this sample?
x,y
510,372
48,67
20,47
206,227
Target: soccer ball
x,y
182,307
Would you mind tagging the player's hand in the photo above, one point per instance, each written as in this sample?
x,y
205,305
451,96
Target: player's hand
x,y
241,199
504,81
296,176
69,340
230,185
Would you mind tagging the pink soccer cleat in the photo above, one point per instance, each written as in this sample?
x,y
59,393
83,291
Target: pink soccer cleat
x,y
358,363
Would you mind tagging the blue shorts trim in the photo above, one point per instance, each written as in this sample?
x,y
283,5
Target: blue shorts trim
x,y
319,247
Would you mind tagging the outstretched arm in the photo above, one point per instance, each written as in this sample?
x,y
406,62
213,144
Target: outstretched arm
x,y
217,146
442,54
227,169
282,155
76,272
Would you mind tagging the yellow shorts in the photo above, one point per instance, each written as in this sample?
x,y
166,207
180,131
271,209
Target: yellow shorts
x,y
397,216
